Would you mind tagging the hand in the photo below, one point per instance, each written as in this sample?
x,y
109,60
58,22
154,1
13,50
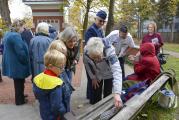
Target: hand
x,y
121,55
75,62
95,84
156,44
117,101
131,57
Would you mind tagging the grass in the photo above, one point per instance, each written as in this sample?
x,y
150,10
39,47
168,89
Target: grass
x,y
173,62
152,111
171,47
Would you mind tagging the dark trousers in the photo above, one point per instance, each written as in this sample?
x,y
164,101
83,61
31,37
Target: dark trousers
x,y
0,76
19,91
122,61
88,91
95,95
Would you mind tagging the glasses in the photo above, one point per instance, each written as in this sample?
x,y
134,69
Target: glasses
x,y
73,40
101,21
61,68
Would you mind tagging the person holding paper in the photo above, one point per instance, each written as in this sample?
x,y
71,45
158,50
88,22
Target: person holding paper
x,y
153,37
121,40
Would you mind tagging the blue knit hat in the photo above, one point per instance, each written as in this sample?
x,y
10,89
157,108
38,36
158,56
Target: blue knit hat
x,y
102,14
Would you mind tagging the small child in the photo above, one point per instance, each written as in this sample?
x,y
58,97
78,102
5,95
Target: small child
x,y
58,45
67,87
47,86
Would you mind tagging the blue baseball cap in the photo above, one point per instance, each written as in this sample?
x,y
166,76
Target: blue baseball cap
x,y
123,28
102,14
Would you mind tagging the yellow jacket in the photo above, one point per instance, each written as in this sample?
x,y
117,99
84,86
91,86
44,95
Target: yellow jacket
x,y
44,81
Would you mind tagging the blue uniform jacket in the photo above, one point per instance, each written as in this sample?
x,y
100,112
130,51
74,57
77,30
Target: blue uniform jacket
x,y
93,31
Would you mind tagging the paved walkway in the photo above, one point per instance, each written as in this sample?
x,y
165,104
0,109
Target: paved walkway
x,y
174,54
30,111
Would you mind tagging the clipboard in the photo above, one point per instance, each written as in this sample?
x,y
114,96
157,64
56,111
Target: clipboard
x,y
132,51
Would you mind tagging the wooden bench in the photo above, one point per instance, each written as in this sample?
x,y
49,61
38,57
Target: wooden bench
x,y
131,108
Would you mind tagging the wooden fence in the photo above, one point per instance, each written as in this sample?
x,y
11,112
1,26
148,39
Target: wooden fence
x,y
167,36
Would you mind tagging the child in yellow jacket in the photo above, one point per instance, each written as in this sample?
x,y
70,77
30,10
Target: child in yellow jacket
x,y
47,86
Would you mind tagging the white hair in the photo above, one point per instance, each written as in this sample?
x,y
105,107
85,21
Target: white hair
x,y
95,46
68,34
42,27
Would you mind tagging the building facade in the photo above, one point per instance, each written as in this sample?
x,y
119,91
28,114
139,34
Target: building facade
x,y
47,11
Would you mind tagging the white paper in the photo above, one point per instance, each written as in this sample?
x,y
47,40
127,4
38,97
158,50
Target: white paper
x,y
155,40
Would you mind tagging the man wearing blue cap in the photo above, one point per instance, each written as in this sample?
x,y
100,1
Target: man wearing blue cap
x,y
95,30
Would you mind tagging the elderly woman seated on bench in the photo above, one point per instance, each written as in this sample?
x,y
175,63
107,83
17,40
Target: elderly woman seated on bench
x,y
146,65
146,69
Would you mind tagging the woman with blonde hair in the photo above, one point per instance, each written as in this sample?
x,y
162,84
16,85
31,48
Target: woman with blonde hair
x,y
67,88
58,45
153,37
15,60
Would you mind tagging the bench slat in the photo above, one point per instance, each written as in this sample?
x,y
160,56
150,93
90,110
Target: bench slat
x,y
136,102
131,107
95,114
94,108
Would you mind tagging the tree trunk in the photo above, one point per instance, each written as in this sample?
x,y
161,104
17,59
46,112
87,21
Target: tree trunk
x,y
85,23
172,28
4,11
138,25
110,23
140,35
142,28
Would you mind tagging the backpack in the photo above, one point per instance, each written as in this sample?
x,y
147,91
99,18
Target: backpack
x,y
168,95
167,99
